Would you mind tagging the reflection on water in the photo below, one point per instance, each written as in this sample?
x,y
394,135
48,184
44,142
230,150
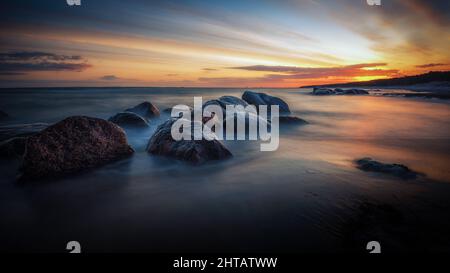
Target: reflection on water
x,y
298,198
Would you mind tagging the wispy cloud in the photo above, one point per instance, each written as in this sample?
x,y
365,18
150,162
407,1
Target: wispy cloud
x,y
21,62
430,65
295,72
280,74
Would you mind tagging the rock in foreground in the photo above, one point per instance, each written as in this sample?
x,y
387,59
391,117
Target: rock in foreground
x,y
146,110
370,165
71,145
193,151
258,99
129,120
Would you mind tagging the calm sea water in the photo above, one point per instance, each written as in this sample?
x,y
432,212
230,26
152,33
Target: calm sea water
x,y
306,196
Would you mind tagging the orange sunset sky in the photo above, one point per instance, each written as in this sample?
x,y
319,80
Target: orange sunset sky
x,y
219,43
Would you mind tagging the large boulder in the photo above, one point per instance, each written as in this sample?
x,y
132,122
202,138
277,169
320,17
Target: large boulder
x,y
72,145
193,151
21,130
129,120
258,99
146,110
13,147
223,102
370,165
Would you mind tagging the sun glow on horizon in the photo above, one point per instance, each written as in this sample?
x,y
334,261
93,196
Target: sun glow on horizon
x,y
218,44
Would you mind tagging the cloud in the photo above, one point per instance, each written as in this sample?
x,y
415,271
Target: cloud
x,y
109,78
430,65
6,73
21,62
281,74
36,55
209,69
295,72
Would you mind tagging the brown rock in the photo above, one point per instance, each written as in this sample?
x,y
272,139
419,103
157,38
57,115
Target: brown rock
x,y
71,145
146,110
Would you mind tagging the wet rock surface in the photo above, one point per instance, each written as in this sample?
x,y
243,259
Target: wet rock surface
x,y
193,151
129,120
146,110
258,99
320,91
398,170
226,100
72,145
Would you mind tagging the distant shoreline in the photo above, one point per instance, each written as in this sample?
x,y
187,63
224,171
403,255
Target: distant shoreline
x,y
423,82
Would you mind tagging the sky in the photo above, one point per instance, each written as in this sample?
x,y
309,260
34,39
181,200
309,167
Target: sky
x,y
254,43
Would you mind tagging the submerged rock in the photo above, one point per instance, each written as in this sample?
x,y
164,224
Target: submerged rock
x,y
13,147
129,119
355,91
258,99
193,151
370,165
320,91
21,130
146,110
71,145
292,120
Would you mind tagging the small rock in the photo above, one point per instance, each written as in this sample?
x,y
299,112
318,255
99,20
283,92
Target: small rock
x,y
322,91
146,110
370,165
129,119
193,151
258,99
72,145
355,92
